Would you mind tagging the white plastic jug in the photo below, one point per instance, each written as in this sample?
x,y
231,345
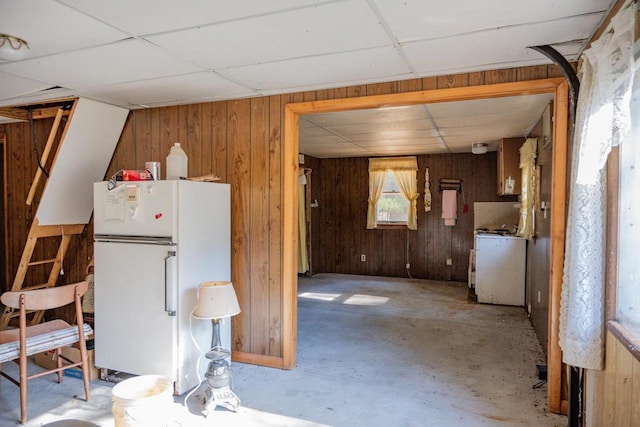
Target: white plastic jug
x,y
177,162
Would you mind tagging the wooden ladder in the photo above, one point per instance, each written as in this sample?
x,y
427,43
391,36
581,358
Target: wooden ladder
x,y
39,232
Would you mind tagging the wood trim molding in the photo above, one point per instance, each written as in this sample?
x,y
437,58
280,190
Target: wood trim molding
x,y
558,225
557,86
256,359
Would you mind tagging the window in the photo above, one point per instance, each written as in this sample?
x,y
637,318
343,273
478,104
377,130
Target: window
x,y
392,207
393,191
628,293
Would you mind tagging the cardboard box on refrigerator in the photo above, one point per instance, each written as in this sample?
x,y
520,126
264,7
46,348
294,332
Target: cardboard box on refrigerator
x,y
48,361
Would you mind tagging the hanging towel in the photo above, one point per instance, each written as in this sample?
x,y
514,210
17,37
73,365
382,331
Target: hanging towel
x,y
449,207
427,192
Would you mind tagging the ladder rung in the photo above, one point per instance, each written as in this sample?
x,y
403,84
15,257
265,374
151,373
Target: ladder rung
x,y
31,288
44,261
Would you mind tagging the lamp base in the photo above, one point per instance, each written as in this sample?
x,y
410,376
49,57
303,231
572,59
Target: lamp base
x,y
223,396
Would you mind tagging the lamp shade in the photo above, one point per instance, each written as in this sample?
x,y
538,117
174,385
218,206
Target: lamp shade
x,y
216,300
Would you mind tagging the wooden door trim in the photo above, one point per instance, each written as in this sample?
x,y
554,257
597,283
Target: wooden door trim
x,y
5,204
292,112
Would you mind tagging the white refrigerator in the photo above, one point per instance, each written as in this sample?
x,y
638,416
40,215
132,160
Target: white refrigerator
x,y
155,242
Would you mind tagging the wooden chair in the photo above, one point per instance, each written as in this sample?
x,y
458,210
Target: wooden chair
x,y
51,335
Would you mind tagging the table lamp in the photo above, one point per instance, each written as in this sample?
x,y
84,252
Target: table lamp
x,y
217,300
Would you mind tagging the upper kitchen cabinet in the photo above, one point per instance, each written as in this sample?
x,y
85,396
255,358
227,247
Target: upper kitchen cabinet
x,y
509,175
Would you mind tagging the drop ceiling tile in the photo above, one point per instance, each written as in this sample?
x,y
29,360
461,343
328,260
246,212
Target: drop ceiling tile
x,y
12,85
363,66
374,127
299,33
179,89
115,63
154,16
391,135
50,27
488,120
417,20
495,47
367,116
531,104
416,142
323,139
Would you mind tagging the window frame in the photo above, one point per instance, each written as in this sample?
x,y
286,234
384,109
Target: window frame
x,y
393,224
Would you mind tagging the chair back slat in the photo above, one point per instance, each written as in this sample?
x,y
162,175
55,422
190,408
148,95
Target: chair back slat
x,y
44,299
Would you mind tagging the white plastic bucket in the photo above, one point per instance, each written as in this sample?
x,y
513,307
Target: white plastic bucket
x,y
142,401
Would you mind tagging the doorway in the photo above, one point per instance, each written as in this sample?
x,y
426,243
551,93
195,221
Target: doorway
x,y
556,86
3,213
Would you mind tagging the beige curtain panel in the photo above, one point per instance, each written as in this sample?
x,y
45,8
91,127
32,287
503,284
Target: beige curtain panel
x,y
528,197
383,164
376,182
407,183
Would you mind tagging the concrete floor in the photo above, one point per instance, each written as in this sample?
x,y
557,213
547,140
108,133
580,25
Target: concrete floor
x,y
371,352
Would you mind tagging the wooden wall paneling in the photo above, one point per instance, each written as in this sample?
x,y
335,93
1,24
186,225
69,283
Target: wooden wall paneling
x,y
609,386
355,237
355,91
325,94
142,139
20,169
167,127
274,214
126,150
381,88
453,80
476,78
259,225
182,128
219,147
412,85
504,75
433,221
332,219
194,139
154,139
206,129
462,233
635,394
417,252
239,176
429,83
531,73
345,230
440,247
623,386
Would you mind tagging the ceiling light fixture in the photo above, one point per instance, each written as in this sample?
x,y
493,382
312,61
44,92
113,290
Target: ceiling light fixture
x,y
479,148
12,48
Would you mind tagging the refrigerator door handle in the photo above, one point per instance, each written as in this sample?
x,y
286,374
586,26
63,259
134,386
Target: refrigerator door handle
x,y
169,311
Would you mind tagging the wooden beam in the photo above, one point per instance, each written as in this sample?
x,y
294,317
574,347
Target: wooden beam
x,y
48,112
14,113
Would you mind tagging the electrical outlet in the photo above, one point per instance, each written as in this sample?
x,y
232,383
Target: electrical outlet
x,y
408,266
538,297
449,261
363,257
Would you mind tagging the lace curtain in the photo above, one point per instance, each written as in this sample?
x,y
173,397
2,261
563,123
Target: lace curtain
x,y
602,120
